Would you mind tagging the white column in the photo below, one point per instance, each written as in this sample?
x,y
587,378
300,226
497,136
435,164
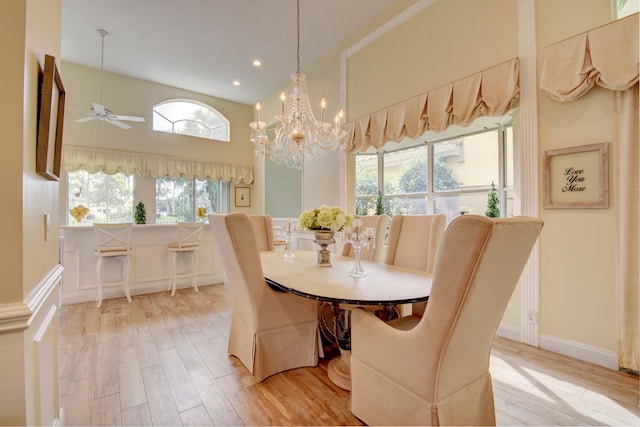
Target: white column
x,y
528,191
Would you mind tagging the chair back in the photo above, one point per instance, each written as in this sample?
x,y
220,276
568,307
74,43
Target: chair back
x,y
414,240
373,252
113,239
189,235
236,239
263,226
478,266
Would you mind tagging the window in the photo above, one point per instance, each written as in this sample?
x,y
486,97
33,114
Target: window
x,y
179,199
626,8
445,176
193,118
109,198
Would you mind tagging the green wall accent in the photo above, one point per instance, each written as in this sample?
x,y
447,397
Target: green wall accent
x,y
283,190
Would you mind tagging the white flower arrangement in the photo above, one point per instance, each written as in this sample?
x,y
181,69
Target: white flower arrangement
x,y
325,218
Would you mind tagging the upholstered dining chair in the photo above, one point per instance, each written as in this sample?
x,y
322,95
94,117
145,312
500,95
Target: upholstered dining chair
x,y
434,370
373,252
413,242
270,331
263,226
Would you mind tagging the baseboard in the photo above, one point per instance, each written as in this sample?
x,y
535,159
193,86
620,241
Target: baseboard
x,y
572,349
587,353
509,332
88,295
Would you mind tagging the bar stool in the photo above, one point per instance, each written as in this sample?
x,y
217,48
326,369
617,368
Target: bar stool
x,y
113,243
189,234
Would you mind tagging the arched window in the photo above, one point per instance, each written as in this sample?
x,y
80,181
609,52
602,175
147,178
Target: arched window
x,y
188,117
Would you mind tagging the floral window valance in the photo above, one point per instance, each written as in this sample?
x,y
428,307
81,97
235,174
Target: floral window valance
x,y
491,92
129,163
606,56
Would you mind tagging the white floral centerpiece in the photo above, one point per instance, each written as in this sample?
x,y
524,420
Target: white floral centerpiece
x,y
324,221
325,218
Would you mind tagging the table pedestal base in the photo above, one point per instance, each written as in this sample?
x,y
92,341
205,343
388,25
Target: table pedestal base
x,y
339,370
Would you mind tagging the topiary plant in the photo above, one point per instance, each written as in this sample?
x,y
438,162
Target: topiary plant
x,y
493,203
379,206
141,214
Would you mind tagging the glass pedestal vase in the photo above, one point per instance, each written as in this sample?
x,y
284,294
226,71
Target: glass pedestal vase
x,y
324,238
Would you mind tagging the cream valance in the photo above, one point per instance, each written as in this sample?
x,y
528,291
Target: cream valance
x,y
491,92
129,163
606,56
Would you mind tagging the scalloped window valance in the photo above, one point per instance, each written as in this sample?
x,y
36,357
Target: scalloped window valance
x,y
141,164
491,92
606,56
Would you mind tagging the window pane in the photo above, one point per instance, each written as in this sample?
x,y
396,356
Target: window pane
x,y
510,194
468,162
208,195
508,157
367,175
190,118
451,205
405,171
174,200
408,205
109,198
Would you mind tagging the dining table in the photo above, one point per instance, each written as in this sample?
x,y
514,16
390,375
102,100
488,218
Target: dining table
x,y
383,285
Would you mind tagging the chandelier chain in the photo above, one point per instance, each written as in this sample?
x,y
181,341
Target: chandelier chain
x,y
298,40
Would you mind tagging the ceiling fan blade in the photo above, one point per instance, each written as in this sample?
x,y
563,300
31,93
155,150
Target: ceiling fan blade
x,y
99,109
119,124
85,119
129,118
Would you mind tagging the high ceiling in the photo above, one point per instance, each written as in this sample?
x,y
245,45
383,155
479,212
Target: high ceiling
x,y
204,45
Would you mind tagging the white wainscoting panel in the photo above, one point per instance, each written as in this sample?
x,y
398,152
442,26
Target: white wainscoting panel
x,y
150,262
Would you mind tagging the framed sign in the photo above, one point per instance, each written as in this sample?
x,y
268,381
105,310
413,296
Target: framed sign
x,y
577,177
243,196
51,118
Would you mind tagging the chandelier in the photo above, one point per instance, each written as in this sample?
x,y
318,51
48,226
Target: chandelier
x,y
298,134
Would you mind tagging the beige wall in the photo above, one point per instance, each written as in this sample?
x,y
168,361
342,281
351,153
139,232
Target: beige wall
x,y
577,246
30,275
442,43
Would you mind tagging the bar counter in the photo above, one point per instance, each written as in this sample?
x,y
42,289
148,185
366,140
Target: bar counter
x,y
150,262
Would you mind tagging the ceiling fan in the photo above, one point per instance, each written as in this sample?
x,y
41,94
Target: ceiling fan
x,y
98,110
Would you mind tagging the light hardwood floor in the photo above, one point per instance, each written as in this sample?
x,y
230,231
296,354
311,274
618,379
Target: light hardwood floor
x,y
163,361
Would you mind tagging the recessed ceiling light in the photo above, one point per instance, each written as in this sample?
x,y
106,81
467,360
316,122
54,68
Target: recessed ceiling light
x,y
257,63
236,83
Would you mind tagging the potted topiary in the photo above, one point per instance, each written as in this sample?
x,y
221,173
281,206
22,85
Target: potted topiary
x,y
141,214
493,203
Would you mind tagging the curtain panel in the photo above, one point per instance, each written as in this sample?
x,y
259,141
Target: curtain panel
x,y
141,164
608,57
491,92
